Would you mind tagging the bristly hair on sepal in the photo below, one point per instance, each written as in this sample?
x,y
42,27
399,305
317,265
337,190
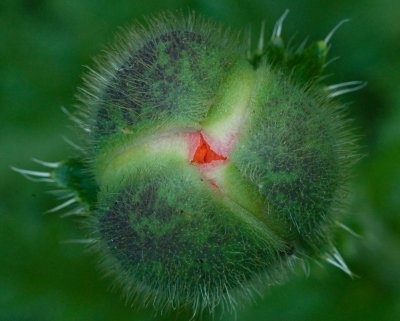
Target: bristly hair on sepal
x,y
304,64
70,182
108,114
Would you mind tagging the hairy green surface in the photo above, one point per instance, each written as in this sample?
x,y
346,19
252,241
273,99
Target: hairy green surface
x,y
45,43
182,234
291,150
173,238
164,75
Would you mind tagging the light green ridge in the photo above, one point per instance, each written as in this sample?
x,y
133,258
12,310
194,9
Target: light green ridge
x,y
148,151
239,190
229,111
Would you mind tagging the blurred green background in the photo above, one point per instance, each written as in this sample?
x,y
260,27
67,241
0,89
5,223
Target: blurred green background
x,y
44,46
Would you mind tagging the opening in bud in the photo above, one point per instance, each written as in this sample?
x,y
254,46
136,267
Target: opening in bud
x,y
204,154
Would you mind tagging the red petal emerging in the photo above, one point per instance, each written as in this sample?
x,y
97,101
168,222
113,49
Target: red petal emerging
x,y
204,154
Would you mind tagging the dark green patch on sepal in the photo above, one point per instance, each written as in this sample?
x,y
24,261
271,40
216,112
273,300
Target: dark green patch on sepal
x,y
274,52
72,175
307,65
304,64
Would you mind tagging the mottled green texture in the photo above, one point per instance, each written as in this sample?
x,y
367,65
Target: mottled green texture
x,y
179,241
74,175
45,45
290,150
161,76
168,232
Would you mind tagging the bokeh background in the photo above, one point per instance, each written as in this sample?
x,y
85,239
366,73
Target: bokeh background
x,y
44,46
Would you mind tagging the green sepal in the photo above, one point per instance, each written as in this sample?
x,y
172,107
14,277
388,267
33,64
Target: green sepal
x,y
275,51
305,65
308,64
72,175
